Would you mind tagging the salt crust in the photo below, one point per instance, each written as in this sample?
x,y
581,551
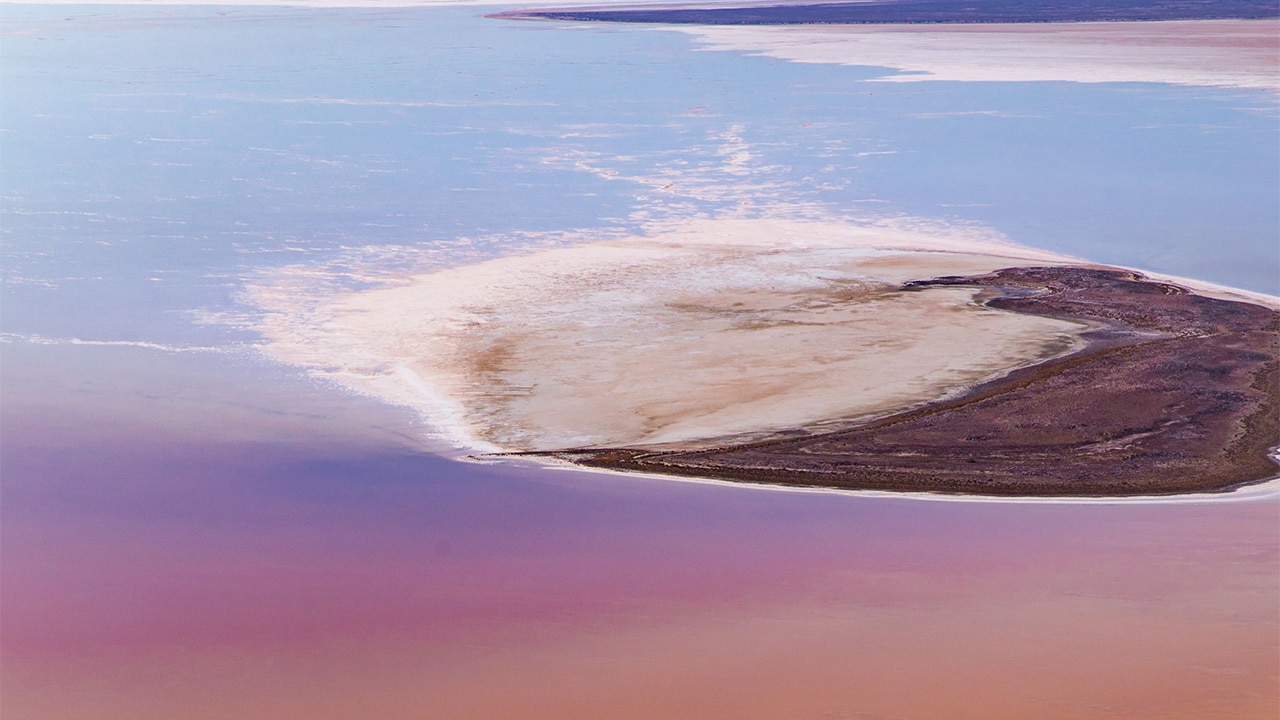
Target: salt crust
x,y
1231,53
687,335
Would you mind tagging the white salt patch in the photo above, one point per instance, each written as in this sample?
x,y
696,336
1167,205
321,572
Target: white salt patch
x,y
1233,53
699,330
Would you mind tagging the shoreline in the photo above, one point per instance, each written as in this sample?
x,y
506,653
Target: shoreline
x,y
1198,437
1207,53
902,12
1260,491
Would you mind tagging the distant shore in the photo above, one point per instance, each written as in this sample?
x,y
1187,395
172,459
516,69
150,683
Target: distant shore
x,y
1174,393
915,12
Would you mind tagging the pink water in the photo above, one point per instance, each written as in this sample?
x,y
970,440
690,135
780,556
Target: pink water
x,y
145,578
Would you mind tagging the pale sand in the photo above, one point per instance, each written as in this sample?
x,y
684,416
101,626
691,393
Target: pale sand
x,y
1234,53
698,331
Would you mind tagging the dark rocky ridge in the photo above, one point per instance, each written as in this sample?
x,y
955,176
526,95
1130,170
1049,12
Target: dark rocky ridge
x,y
1174,393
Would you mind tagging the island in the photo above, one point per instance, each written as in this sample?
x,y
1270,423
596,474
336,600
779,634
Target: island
x,y
819,353
1174,392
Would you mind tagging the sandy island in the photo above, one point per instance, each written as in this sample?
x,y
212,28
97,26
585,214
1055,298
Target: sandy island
x,y
1175,393
818,354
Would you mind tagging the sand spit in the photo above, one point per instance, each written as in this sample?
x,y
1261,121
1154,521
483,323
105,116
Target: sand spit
x,y
1175,393
679,338
1231,53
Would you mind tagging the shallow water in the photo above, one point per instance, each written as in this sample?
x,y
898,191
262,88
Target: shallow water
x,y
151,578
190,530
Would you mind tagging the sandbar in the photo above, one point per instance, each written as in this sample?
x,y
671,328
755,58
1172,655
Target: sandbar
x,y
681,337
791,351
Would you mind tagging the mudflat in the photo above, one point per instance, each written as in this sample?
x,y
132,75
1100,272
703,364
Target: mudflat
x,y
1174,392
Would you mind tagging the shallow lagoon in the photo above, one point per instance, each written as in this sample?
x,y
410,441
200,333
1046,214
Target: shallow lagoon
x,y
189,529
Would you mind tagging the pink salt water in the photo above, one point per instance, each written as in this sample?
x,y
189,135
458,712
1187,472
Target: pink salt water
x,y
146,578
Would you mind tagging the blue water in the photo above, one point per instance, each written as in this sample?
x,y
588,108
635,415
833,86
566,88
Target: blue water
x,y
171,486
155,156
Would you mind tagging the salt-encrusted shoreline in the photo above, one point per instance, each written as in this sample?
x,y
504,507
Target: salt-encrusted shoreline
x,y
762,323
697,336
1176,393
1222,53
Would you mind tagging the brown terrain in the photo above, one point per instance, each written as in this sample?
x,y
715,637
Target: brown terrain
x,y
1174,393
